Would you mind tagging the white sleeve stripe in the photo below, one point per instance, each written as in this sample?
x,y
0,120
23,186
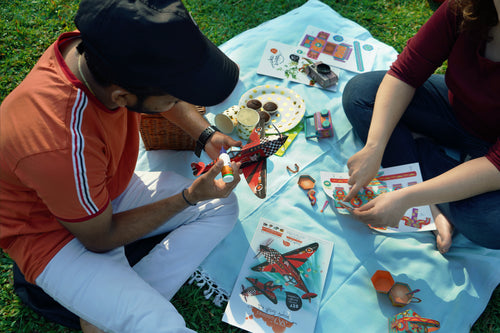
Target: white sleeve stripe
x,y
78,145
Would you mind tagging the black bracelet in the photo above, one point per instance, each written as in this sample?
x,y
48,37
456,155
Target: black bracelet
x,y
185,199
203,139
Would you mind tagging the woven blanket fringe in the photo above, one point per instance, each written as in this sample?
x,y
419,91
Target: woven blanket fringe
x,y
202,280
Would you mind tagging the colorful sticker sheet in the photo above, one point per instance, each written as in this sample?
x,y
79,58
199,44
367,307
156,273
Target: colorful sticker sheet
x,y
281,281
388,179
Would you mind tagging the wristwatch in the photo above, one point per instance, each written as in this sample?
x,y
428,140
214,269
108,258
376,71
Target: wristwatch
x,y
202,140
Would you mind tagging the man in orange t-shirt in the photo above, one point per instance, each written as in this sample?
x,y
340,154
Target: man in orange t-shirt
x,y
69,197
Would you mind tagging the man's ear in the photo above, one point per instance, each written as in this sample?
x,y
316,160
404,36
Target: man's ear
x,y
122,97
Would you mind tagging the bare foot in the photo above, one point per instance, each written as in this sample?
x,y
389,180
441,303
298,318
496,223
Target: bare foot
x,y
88,327
444,231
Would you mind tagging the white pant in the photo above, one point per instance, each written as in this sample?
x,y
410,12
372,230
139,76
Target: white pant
x,y
103,289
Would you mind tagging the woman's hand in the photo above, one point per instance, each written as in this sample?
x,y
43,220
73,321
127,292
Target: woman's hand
x,y
386,210
363,167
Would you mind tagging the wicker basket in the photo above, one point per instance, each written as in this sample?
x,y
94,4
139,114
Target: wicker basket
x,y
159,133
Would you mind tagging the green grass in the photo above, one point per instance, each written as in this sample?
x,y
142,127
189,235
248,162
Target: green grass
x,y
28,27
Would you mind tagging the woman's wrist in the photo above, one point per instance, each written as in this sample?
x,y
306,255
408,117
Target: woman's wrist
x,y
405,197
375,147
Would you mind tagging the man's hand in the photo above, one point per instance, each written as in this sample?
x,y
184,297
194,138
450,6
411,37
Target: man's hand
x,y
217,141
107,230
206,187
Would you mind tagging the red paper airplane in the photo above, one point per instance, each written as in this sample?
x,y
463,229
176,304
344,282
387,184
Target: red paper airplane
x,y
253,157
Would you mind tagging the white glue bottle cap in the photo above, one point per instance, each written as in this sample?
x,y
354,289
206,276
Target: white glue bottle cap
x,y
227,171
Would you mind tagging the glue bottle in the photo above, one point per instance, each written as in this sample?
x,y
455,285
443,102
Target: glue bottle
x,y
227,171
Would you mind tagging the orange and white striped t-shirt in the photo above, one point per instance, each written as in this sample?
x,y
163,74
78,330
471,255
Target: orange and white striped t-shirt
x,y
64,155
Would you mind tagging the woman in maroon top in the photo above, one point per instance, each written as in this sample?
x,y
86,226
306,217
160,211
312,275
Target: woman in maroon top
x,y
409,114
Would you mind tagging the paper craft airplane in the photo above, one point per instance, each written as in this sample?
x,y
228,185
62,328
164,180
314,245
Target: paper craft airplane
x,y
259,288
287,264
253,157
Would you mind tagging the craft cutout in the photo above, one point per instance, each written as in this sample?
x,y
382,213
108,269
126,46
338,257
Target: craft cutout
x,y
307,183
399,293
319,125
253,157
338,50
410,322
389,179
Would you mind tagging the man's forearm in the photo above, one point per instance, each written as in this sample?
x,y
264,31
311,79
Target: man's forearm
x,y
128,226
187,117
108,231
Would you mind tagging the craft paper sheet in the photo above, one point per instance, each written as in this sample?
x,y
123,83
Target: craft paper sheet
x,y
281,281
292,134
338,50
388,179
288,62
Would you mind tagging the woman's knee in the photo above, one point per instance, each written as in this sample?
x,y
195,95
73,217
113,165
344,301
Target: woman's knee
x,y
358,97
362,88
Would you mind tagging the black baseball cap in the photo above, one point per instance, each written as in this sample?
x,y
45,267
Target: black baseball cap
x,y
155,43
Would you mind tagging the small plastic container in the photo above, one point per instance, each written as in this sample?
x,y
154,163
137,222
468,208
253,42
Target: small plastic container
x,y
227,171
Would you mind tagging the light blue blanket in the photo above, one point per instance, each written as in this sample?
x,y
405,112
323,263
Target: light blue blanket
x,y
455,288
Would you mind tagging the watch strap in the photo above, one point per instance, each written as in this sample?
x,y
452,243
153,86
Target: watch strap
x,y
203,139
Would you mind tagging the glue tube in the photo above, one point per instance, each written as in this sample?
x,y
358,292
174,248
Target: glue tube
x,y
227,171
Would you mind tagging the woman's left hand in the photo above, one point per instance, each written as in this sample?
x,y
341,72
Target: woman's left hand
x,y
386,210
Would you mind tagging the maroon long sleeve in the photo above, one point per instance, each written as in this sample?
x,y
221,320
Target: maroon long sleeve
x,y
473,80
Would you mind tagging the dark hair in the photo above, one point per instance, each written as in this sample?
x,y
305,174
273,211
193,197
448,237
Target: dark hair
x,y
99,74
477,16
